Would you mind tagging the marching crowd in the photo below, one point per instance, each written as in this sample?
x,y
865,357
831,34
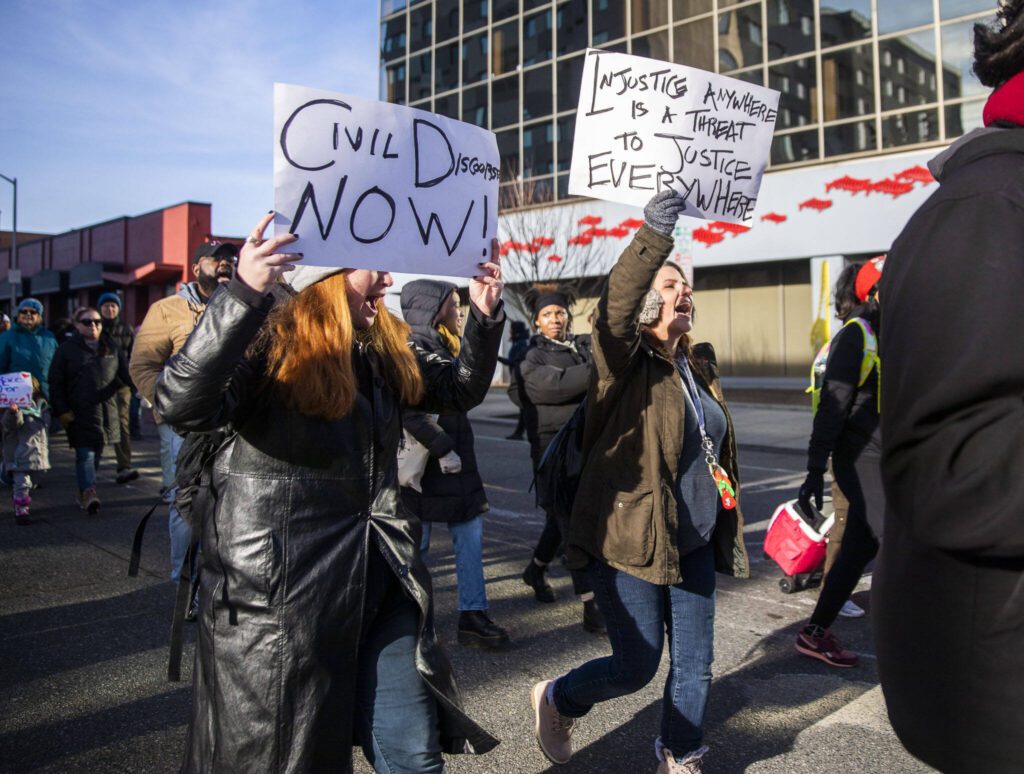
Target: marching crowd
x,y
312,595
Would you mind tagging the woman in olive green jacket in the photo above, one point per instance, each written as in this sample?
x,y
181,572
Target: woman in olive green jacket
x,y
656,512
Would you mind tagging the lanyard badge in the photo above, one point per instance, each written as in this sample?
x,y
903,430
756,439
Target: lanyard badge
x,y
726,491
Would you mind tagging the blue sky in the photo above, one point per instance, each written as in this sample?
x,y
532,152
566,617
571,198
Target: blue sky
x,y
118,108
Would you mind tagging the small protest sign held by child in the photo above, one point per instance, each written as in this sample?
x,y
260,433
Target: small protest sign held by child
x,y
26,447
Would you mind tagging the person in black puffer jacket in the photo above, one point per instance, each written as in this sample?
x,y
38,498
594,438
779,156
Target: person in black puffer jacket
x,y
451,488
87,371
555,376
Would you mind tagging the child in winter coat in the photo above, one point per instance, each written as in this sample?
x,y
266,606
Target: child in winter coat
x,y
26,448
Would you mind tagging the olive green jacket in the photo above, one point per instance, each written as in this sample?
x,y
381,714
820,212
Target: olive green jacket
x,y
625,512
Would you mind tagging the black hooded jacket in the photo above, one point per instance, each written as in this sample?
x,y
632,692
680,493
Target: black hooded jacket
x,y
447,497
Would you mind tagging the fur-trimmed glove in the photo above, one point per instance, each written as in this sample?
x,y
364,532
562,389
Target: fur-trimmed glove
x,y
663,210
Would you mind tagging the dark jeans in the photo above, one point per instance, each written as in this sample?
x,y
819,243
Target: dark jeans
x,y
396,714
638,614
859,545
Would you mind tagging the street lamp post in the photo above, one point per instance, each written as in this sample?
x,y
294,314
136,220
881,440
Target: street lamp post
x,y
14,241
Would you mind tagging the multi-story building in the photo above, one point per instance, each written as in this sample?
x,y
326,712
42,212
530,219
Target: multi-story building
x,y
871,89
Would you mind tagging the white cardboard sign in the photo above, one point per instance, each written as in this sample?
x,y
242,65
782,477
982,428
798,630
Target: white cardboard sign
x,y
372,185
644,125
16,390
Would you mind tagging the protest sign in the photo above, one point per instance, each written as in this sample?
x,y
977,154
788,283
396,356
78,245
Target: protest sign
x,y
371,185
15,390
644,125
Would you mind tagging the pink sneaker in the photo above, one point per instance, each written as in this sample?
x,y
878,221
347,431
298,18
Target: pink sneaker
x,y
21,510
819,643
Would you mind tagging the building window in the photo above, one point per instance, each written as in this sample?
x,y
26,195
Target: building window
x,y
508,153
855,137
958,79
571,26
694,44
537,38
506,49
739,36
840,85
894,15
910,128
608,20
474,15
421,27
446,67
570,76
683,9
654,46
474,105
844,21
798,86
505,101
538,149
420,72
795,147
474,58
648,14
393,39
393,87
537,92
447,19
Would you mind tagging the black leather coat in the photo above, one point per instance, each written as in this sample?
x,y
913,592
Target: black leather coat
x,y
85,381
299,505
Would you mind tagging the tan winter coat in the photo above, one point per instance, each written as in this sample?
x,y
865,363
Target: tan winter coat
x,y
167,325
625,511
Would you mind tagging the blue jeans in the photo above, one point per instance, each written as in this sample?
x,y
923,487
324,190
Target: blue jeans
x,y
396,714
467,540
87,460
638,614
180,532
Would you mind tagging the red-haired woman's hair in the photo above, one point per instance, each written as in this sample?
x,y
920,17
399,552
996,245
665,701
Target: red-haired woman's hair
x,y
310,352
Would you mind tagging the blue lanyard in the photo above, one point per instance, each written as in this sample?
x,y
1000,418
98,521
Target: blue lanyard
x,y
691,385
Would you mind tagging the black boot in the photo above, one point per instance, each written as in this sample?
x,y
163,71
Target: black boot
x,y
593,621
533,576
477,630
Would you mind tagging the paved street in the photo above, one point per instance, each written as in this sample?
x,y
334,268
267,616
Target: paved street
x,y
83,659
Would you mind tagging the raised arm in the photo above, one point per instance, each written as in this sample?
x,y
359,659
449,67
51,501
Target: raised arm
x,y
616,328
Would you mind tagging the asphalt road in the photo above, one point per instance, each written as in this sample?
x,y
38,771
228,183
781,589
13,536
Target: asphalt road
x,y
83,648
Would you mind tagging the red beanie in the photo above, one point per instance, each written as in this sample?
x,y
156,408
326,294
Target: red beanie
x,y
868,277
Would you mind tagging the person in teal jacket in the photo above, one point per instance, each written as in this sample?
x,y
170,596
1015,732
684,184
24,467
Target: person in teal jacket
x,y
28,346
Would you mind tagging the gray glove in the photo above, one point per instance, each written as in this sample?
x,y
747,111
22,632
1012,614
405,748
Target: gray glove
x,y
450,463
662,211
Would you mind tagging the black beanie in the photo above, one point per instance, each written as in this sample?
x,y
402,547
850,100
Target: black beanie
x,y
547,299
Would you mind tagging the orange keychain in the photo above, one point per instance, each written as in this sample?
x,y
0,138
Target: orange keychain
x,y
725,488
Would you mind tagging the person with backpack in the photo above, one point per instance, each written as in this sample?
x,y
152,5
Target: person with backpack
x,y
316,623
847,427
451,490
656,510
555,375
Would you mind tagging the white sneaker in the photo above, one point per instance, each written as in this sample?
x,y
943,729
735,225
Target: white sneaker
x,y
552,729
851,609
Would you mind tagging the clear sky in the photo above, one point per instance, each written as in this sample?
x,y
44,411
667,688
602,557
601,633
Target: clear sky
x,y
120,107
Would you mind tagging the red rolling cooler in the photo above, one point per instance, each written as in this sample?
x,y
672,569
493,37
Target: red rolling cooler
x,y
796,541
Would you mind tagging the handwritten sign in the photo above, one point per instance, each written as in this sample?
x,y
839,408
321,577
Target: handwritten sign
x,y
15,390
371,185
645,125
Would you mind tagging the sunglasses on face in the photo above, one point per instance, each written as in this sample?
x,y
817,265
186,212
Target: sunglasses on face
x,y
29,312
90,321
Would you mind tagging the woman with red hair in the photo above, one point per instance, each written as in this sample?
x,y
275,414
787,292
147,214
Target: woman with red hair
x,y
316,623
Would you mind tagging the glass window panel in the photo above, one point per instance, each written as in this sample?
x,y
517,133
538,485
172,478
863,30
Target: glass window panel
x,y
790,27
950,9
474,14
570,76
682,9
910,128
608,20
750,76
502,9
563,188
847,82
791,148
448,105
849,138
390,6
505,101
566,128
694,44
537,92
508,197
421,27
537,38
394,83
896,15
538,149
474,58
474,105
426,104
798,83
506,49
654,45
508,153
958,80
844,21
646,15
539,191
447,19
421,70
621,46
446,67
571,26
392,38
739,38
908,63
529,5
963,117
